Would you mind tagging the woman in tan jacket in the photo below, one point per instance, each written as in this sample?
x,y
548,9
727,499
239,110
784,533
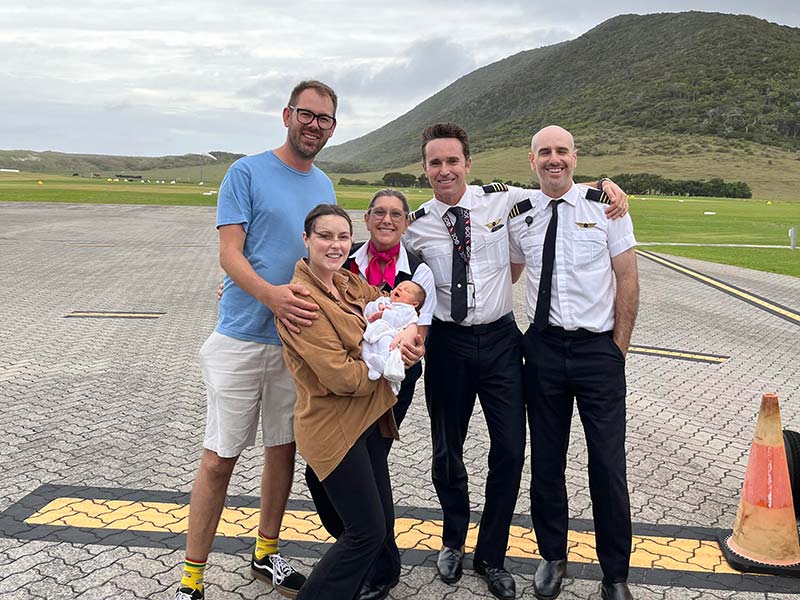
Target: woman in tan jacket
x,y
341,416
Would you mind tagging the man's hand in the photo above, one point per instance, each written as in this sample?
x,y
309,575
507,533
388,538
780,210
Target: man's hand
x,y
287,302
619,199
220,289
412,347
413,353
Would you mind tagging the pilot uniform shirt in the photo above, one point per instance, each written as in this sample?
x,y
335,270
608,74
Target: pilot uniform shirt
x,y
586,241
489,275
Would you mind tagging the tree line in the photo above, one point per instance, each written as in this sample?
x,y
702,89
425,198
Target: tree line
x,y
632,183
648,183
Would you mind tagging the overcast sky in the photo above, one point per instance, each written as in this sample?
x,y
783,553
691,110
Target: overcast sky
x,y
150,77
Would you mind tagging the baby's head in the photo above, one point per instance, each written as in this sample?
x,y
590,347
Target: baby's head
x,y
409,292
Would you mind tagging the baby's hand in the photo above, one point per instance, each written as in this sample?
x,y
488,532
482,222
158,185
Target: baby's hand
x,y
378,313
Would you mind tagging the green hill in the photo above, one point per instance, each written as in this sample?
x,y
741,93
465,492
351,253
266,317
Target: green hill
x,y
185,168
727,78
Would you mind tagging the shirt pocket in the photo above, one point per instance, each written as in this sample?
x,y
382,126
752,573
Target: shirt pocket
x,y
492,250
532,247
440,261
590,250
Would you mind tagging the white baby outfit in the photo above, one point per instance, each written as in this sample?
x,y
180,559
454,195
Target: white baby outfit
x,y
379,335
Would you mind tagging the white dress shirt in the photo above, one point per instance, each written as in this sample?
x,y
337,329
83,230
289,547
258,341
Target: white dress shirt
x,y
586,240
422,276
489,274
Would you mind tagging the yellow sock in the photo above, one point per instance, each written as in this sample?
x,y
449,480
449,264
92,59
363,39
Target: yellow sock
x,y
193,574
265,546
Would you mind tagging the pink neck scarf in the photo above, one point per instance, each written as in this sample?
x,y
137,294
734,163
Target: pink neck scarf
x,y
375,274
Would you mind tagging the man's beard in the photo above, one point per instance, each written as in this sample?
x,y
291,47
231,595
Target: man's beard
x,y
303,150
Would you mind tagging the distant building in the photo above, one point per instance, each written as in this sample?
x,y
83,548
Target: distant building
x,y
128,177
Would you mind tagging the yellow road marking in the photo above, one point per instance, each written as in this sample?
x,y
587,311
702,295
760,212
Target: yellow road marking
x,y
118,315
726,288
677,354
651,552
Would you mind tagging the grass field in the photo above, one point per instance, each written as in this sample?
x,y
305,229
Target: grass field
x,y
24,187
772,175
656,219
771,260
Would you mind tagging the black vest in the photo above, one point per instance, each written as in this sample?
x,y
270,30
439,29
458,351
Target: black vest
x,y
413,263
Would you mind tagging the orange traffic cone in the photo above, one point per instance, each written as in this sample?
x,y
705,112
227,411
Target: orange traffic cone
x,y
764,538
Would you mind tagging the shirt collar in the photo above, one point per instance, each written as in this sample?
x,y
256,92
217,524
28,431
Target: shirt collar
x,y
361,257
438,207
571,197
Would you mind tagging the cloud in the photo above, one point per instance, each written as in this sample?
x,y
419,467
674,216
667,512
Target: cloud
x,y
426,66
96,129
145,75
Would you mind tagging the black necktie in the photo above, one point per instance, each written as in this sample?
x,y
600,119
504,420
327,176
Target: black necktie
x,y
542,317
460,231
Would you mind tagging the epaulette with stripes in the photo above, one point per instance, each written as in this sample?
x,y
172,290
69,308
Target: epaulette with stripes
x,y
597,196
520,207
495,186
421,212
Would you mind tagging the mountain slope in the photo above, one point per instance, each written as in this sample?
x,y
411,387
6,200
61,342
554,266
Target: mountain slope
x,y
728,76
86,164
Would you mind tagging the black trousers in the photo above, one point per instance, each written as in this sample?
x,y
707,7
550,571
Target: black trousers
x,y
561,366
361,494
462,362
383,573
404,397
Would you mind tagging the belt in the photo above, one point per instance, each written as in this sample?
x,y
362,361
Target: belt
x,y
577,333
476,329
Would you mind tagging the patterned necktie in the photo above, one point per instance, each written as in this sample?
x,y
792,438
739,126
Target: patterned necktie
x,y
542,316
457,221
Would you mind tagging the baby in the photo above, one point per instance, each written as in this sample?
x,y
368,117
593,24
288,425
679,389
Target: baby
x,y
387,317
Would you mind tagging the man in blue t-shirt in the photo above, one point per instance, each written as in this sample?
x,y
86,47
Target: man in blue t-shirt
x,y
263,201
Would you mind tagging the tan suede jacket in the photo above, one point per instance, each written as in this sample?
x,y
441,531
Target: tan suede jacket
x,y
336,402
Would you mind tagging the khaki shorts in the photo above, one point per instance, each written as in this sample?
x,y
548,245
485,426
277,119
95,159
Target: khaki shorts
x,y
245,380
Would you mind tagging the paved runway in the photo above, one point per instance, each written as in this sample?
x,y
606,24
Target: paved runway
x,y
102,417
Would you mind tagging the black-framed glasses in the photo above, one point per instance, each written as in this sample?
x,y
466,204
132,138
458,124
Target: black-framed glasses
x,y
395,215
306,117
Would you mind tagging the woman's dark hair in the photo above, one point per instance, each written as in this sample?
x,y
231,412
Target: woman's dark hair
x,y
323,210
389,192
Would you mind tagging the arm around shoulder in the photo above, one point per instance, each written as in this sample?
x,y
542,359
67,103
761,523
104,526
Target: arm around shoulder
x,y
319,348
234,263
285,301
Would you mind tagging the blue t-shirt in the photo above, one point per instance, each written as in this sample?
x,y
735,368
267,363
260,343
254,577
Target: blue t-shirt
x,y
270,200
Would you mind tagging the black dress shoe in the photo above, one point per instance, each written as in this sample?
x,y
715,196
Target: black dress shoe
x,y
449,564
501,583
615,591
548,577
372,591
